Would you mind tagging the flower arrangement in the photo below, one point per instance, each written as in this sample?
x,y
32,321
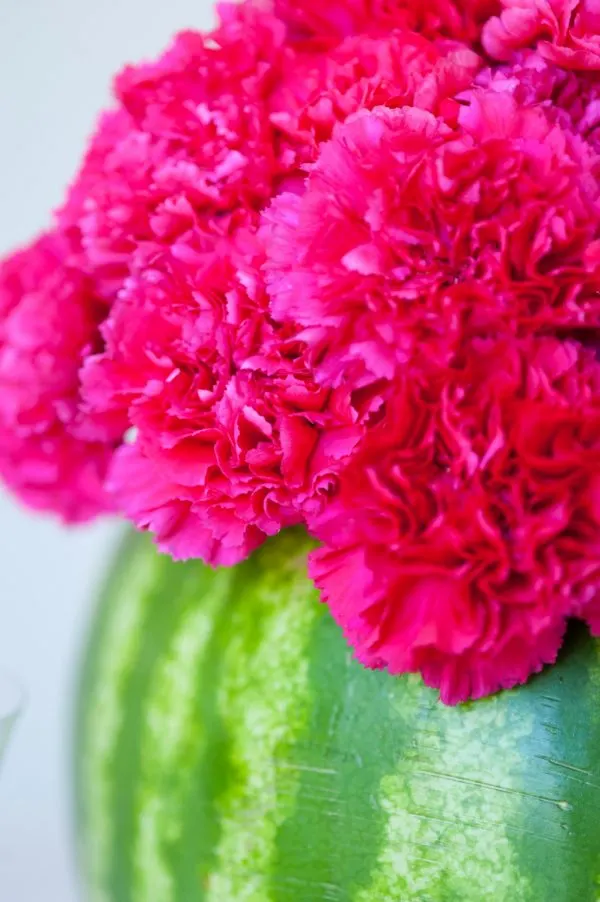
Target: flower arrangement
x,y
338,264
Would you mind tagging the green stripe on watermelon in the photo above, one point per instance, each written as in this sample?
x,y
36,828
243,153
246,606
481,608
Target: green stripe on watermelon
x,y
264,701
166,604
117,645
560,843
305,777
205,832
329,845
450,802
192,853
170,740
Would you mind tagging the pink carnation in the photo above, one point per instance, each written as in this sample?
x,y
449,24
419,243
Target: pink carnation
x,y
467,528
194,141
397,69
233,439
323,23
412,234
53,452
571,99
566,32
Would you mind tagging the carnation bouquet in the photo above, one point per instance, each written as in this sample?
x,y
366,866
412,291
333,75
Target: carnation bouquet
x,y
328,281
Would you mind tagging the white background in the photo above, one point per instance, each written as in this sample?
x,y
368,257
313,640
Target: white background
x,y
56,62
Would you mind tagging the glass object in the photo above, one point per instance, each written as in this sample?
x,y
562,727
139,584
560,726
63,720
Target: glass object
x,y
11,703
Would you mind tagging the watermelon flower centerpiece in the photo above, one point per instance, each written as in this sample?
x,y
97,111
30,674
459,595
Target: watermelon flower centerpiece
x,y
328,282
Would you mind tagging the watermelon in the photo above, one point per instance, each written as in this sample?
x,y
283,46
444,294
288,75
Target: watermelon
x,y
230,749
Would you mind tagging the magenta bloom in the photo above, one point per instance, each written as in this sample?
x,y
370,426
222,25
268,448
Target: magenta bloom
x,y
194,141
232,437
566,32
413,234
569,98
338,264
53,450
323,23
467,528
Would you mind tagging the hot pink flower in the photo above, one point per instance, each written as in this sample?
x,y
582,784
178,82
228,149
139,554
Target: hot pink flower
x,y
220,493
323,23
571,99
193,142
233,439
397,69
566,32
467,528
412,234
53,453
